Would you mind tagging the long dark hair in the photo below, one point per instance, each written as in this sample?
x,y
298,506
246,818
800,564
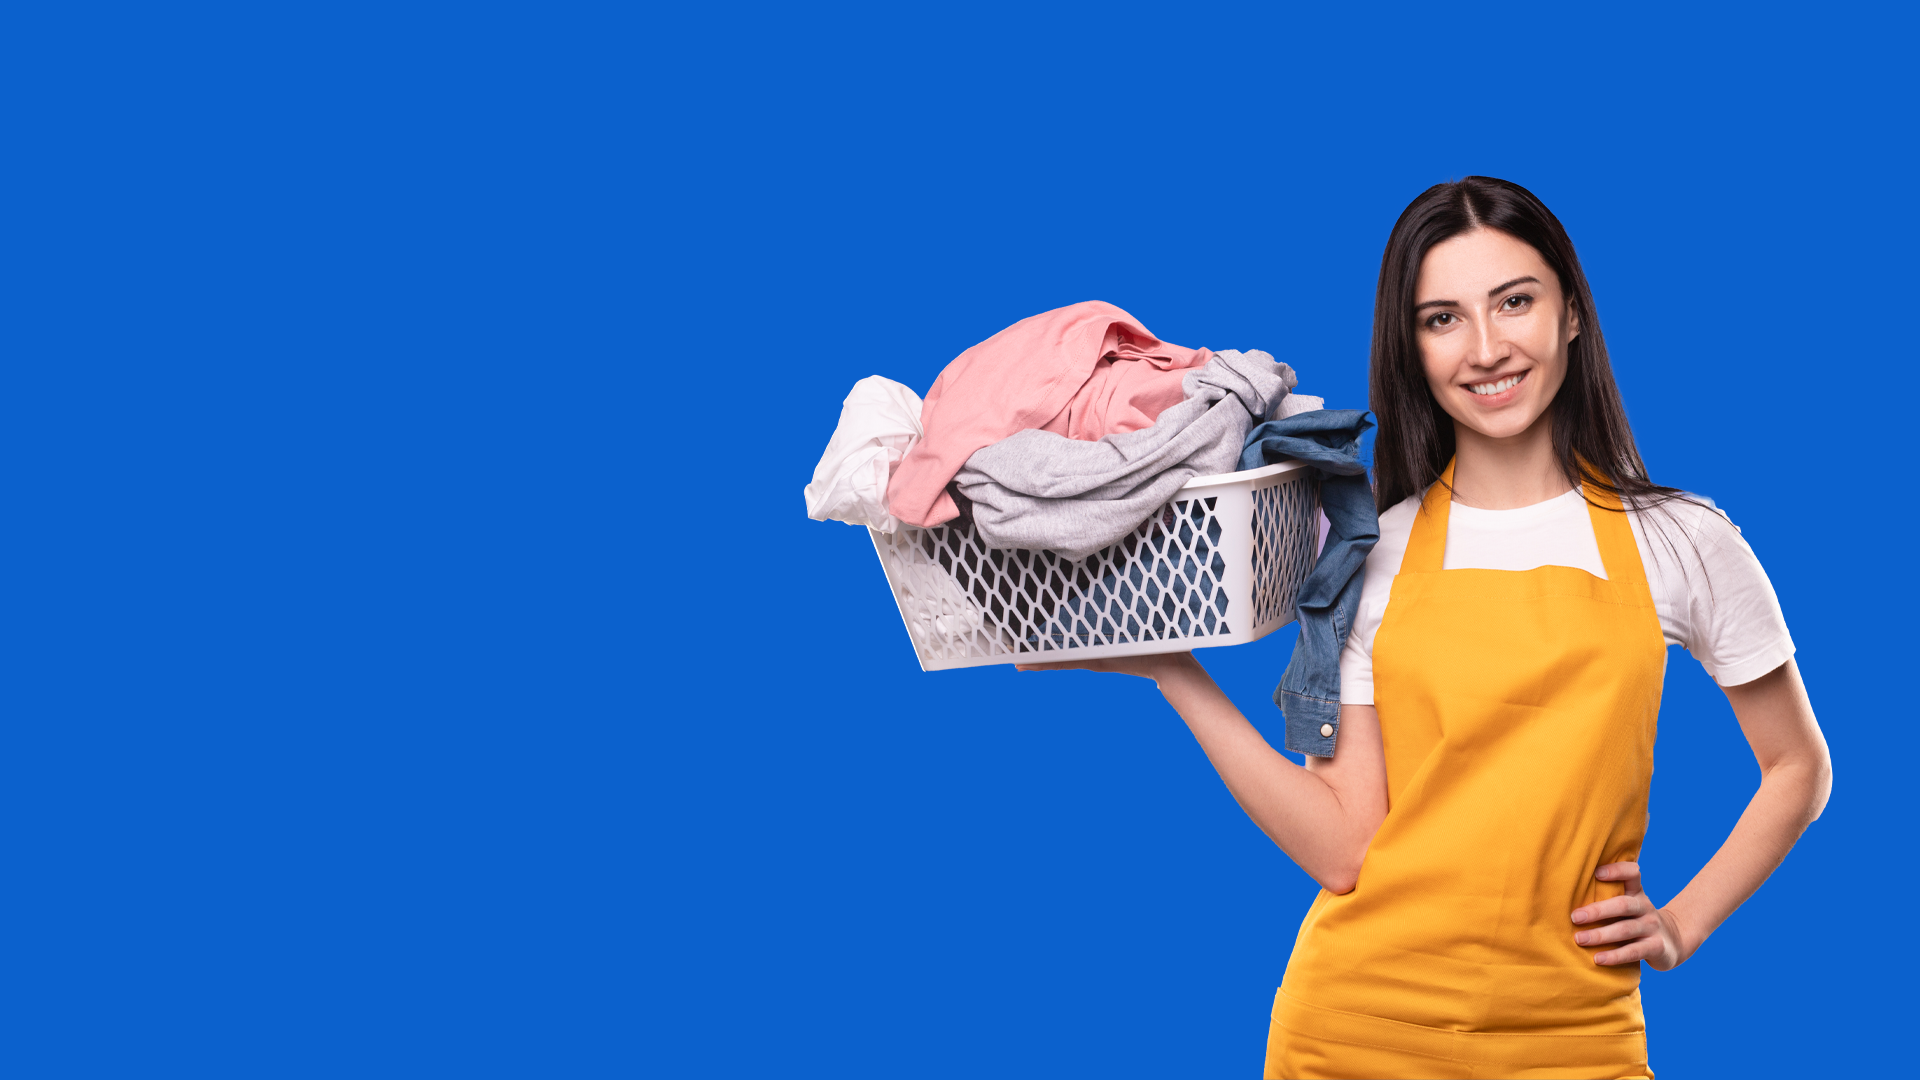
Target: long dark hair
x,y
1591,438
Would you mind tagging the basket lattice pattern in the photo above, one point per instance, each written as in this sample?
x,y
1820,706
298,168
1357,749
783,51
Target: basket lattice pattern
x,y
1160,582
1283,551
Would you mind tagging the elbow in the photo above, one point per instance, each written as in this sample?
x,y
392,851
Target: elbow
x,y
1819,770
1822,788
1340,873
1810,777
1341,878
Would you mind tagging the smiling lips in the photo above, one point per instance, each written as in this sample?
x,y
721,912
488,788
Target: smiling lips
x,y
1498,386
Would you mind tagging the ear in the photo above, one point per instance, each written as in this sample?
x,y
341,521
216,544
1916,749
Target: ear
x,y
1573,322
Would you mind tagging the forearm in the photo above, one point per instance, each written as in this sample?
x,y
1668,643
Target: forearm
x,y
1796,775
1298,810
1791,796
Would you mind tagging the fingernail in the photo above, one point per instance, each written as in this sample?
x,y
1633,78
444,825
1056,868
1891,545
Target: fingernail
x,y
1580,938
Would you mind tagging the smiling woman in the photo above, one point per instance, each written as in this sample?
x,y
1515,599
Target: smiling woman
x,y
1479,285
1478,825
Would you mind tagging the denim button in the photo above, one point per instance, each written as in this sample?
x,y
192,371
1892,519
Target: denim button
x,y
1326,731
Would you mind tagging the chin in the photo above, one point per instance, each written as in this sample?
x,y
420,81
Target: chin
x,y
1504,424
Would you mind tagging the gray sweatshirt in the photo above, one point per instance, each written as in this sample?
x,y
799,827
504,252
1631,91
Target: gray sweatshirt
x,y
1035,489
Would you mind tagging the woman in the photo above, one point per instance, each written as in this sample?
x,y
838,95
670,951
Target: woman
x,y
1477,826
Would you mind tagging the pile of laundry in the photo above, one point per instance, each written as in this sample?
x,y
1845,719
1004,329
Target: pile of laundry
x,y
1067,430
1062,432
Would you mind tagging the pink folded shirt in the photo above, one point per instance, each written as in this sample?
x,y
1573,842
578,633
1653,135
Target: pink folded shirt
x,y
1084,371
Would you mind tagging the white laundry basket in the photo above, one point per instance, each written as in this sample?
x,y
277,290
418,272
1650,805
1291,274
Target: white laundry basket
x,y
1220,564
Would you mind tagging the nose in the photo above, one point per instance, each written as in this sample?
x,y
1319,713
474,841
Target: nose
x,y
1489,346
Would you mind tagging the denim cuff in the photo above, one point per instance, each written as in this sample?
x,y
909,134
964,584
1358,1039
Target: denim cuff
x,y
1313,724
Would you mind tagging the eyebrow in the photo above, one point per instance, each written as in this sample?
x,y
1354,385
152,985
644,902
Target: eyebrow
x,y
1491,293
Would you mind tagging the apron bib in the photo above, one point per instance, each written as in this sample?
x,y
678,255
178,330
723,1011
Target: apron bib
x,y
1517,710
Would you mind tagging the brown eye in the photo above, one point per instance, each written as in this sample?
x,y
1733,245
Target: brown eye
x,y
1440,320
1516,302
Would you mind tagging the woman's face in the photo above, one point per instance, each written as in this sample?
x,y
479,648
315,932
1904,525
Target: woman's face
x,y
1493,330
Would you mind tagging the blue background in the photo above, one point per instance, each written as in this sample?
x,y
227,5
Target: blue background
x,y
418,660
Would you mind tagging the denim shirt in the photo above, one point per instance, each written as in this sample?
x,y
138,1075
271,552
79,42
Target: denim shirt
x,y
1309,690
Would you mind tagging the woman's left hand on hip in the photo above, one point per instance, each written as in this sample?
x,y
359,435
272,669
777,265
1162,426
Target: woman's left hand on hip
x,y
1631,922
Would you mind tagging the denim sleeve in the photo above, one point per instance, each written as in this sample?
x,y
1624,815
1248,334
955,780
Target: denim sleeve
x,y
1309,691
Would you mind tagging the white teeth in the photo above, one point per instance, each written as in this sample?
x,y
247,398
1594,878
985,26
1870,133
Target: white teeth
x,y
1500,386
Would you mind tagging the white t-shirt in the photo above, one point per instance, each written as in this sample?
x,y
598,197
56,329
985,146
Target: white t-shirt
x,y
1711,594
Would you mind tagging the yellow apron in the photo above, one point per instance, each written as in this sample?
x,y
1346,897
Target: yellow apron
x,y
1518,712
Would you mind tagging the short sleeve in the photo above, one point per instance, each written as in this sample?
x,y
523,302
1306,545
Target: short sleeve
x,y
1720,603
1383,564
1356,660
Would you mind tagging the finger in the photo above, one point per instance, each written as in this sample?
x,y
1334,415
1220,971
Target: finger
x,y
1618,907
1639,949
1624,930
1629,906
1628,872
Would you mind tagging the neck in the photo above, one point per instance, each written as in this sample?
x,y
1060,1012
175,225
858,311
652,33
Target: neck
x,y
1506,474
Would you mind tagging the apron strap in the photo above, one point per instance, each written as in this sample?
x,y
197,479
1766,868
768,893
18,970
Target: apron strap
x,y
1618,552
1427,544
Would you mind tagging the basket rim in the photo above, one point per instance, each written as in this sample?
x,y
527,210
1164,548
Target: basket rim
x,y
1260,473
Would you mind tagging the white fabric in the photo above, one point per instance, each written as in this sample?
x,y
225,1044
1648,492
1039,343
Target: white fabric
x,y
933,603
879,423
1712,596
